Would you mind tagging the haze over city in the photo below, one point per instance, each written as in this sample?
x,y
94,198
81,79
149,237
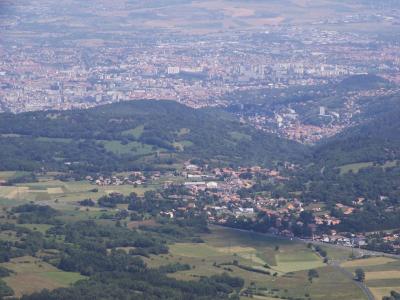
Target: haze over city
x,y
199,149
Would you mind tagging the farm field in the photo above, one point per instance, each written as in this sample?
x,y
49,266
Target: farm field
x,y
32,274
48,190
382,274
4,175
64,196
290,261
206,16
241,13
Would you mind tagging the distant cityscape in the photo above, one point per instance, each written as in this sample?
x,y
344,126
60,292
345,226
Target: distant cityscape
x,y
198,72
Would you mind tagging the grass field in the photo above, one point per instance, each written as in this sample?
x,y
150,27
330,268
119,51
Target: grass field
x,y
5,175
195,250
65,196
238,136
135,132
291,262
355,168
48,190
382,274
32,274
134,148
297,261
37,227
181,145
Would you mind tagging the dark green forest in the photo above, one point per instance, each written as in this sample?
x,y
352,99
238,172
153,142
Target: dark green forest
x,y
377,139
148,132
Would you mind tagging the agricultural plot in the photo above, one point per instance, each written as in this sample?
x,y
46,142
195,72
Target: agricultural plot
x,y
11,192
7,175
9,236
32,274
6,202
338,253
195,250
290,260
382,274
62,195
301,260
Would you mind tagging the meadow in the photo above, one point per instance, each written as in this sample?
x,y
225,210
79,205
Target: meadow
x,y
66,192
288,263
356,167
32,274
64,196
382,274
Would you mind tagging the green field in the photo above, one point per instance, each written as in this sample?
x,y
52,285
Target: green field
x,y
291,262
37,227
134,148
48,190
382,274
355,168
64,196
238,136
7,175
181,145
135,132
31,274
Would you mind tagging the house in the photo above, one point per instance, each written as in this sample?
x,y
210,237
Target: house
x,y
195,183
191,167
349,211
212,185
326,239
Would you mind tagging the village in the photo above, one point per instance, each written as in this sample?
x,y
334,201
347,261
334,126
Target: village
x,y
231,197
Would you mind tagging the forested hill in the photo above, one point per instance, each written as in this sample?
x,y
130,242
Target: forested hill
x,y
139,134
362,82
363,162
377,139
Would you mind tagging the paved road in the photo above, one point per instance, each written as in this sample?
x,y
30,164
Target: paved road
x,y
360,252
350,275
